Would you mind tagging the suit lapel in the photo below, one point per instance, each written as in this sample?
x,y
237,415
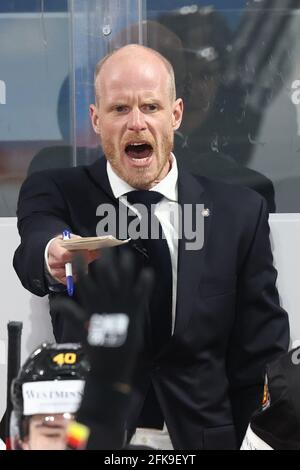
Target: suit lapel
x,y
190,262
98,173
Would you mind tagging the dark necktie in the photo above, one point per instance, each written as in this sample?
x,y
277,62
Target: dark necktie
x,y
158,257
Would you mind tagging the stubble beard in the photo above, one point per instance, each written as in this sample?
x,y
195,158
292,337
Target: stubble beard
x,y
141,178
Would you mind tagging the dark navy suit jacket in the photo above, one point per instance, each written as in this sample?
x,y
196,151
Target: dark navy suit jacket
x,y
209,376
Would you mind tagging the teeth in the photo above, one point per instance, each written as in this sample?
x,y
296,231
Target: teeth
x,y
139,159
137,143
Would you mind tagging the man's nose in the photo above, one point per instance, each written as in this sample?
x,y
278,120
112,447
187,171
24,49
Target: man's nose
x,y
136,121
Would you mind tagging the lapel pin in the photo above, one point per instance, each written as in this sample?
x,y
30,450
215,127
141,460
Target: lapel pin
x,y
205,212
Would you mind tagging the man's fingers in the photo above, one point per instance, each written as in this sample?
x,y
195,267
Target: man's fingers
x,y
57,255
60,275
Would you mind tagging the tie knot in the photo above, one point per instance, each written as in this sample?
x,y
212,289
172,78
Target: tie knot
x,y
144,197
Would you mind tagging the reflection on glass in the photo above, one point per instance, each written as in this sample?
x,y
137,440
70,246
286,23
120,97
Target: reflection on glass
x,y
240,66
237,70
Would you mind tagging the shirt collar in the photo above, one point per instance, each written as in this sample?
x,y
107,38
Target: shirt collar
x,y
167,186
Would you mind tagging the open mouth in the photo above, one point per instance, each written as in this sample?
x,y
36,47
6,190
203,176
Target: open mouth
x,y
139,150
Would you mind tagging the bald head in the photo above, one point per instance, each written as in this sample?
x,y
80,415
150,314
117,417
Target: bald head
x,y
135,52
136,114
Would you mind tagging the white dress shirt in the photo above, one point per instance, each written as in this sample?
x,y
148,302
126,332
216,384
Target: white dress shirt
x,y
168,187
164,211
253,442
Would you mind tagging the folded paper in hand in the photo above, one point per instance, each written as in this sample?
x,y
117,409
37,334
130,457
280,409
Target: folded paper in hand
x,y
91,243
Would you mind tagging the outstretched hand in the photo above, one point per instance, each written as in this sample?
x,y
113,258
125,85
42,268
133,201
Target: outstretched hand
x,y
58,256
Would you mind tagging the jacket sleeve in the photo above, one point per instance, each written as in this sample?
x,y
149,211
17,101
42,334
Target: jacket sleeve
x,y
261,329
42,214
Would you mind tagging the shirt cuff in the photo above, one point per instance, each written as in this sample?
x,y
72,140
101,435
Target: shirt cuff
x,y
53,282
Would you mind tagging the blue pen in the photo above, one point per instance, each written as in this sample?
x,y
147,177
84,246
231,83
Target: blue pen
x,y
68,268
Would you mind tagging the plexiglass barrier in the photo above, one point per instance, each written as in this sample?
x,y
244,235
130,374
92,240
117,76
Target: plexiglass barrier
x,y
237,69
97,28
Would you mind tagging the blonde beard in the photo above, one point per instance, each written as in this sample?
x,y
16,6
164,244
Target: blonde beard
x,y
139,180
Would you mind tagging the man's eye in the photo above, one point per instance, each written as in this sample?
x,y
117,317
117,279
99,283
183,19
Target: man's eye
x,y
121,109
150,107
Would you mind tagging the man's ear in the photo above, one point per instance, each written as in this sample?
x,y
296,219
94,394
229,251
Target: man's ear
x,y
95,119
177,114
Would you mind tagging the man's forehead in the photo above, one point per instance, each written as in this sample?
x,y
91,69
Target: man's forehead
x,y
135,81
116,92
